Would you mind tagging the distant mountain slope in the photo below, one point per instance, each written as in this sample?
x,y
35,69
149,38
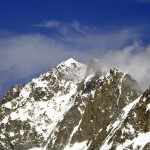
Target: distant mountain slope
x,y
76,107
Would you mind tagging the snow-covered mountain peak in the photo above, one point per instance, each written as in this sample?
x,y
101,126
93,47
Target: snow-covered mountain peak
x,y
76,107
72,70
69,63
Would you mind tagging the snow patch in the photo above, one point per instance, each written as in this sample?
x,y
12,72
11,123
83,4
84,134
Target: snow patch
x,y
5,120
74,131
77,146
39,83
7,105
36,148
148,107
24,93
140,141
12,134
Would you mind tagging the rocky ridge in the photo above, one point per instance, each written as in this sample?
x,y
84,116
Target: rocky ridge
x,y
76,107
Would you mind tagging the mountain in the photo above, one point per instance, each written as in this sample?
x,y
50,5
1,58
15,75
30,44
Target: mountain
x,y
76,107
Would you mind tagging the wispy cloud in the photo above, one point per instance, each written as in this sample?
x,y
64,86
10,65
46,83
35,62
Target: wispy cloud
x,y
28,54
48,24
141,1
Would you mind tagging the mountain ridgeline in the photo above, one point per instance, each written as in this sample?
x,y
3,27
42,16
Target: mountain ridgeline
x,y
76,107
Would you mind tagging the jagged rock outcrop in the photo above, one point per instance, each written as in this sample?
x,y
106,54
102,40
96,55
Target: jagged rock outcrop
x,y
74,106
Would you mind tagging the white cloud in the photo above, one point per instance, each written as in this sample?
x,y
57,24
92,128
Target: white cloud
x,y
29,54
133,59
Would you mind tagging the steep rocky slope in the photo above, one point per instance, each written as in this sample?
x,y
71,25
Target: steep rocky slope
x,y
76,107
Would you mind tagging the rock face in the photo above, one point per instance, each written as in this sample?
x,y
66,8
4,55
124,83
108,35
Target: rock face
x,y
76,107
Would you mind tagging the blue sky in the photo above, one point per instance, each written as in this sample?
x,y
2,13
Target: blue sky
x,y
38,34
19,15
